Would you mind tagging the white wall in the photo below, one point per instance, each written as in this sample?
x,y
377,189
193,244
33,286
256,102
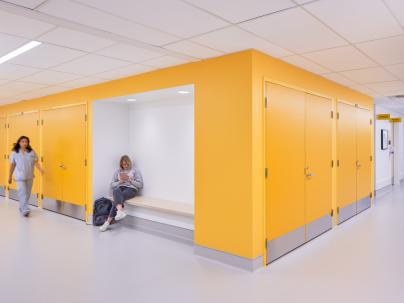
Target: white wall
x,y
159,138
162,145
110,141
383,169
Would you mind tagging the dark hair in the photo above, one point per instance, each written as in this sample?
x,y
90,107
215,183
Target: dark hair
x,y
17,146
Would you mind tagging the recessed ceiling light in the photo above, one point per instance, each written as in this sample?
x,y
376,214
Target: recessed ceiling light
x,y
183,92
131,100
19,51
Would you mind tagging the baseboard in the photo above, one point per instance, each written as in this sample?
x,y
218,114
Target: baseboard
x,y
229,259
3,191
383,183
160,229
13,195
285,243
318,227
347,212
363,204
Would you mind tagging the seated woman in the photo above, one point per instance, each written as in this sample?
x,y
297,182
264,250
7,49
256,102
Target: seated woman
x,y
126,183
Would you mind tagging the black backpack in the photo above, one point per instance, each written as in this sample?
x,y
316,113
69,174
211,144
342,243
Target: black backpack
x,y
102,208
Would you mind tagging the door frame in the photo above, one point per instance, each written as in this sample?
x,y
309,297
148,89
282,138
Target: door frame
x,y
86,153
265,103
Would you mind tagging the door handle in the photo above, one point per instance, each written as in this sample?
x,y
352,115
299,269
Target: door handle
x,y
358,164
62,166
310,175
307,173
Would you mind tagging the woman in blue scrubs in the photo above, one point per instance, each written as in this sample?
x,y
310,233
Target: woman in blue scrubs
x,y
22,161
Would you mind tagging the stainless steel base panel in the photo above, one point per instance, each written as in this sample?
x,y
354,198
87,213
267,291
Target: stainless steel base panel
x,y
346,212
13,195
318,227
65,208
363,204
285,244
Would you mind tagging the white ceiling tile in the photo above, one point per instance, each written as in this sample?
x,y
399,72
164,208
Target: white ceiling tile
x,y
306,64
335,77
17,87
129,53
95,18
241,10
295,30
363,89
50,77
164,61
46,91
397,70
90,64
86,81
341,58
193,49
4,101
74,39
233,39
172,16
26,3
388,88
385,51
45,56
397,8
22,26
13,72
359,20
9,43
369,75
131,70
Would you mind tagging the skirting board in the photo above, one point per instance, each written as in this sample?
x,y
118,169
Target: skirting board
x,y
285,244
13,195
164,230
318,227
64,208
346,212
229,259
363,204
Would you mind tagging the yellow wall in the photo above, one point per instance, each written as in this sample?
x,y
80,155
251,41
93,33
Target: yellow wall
x,y
266,68
229,137
222,141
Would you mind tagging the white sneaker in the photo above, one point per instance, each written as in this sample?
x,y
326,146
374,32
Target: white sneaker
x,y
105,226
120,214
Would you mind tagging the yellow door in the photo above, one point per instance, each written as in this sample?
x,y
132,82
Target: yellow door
x,y
63,145
285,160
25,124
3,152
346,154
52,153
74,156
363,134
318,136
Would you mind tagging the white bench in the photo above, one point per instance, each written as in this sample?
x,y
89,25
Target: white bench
x,y
177,208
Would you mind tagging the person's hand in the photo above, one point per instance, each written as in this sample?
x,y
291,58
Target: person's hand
x,y
10,180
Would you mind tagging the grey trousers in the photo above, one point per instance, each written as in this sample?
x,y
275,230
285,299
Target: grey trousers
x,y
121,194
24,193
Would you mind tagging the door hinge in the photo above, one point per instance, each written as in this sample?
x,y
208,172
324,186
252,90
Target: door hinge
x,y
332,163
266,244
337,115
266,172
337,210
41,159
332,114
42,196
266,102
371,195
370,121
37,196
332,213
371,158
85,162
337,163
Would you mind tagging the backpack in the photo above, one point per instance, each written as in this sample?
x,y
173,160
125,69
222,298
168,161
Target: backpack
x,y
102,208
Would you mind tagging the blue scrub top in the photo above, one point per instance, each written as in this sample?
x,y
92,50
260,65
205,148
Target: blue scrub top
x,y
24,165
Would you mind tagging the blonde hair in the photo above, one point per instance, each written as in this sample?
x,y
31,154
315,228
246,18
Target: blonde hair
x,y
126,159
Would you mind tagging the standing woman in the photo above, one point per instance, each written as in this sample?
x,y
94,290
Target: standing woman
x,y
126,183
22,161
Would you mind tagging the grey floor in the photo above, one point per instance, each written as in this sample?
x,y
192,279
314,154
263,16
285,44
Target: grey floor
x,y
52,258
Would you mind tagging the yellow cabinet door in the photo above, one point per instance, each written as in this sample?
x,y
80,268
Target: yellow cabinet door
x,y
346,154
26,124
318,170
74,156
52,153
3,152
363,139
285,160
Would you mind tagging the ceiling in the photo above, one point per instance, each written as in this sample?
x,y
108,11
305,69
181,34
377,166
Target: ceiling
x,y
358,43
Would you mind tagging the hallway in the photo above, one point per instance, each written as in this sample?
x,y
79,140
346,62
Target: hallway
x,y
53,258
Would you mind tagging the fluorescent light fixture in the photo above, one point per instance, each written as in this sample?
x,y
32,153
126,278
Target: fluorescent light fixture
x,y
19,51
131,100
183,92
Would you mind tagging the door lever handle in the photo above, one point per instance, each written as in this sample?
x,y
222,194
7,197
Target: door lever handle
x,y
358,164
